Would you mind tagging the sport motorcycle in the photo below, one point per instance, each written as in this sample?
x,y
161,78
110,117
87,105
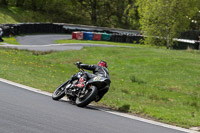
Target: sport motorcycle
x,y
81,96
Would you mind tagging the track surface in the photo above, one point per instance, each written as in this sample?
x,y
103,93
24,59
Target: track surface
x,y
46,43
23,111
41,39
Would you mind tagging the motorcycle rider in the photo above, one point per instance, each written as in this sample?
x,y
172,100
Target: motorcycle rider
x,y
98,70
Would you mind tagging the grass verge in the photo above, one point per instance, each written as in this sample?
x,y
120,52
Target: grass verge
x,y
157,83
100,42
10,40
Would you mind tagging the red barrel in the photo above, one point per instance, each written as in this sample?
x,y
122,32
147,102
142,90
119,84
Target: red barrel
x,y
97,36
77,35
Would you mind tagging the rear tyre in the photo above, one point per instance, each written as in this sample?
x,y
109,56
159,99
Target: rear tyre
x,y
59,92
87,98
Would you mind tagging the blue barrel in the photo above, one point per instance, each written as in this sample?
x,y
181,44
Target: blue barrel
x,y
88,35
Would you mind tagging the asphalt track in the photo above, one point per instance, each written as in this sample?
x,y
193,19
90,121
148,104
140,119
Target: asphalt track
x,y
23,111
41,39
46,43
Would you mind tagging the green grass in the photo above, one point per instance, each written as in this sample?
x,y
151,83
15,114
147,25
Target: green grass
x,y
16,15
10,40
100,42
157,83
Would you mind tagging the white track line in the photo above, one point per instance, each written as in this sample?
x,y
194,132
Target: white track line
x,y
64,44
104,110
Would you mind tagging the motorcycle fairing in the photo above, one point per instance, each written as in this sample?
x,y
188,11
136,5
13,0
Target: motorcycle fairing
x,y
99,82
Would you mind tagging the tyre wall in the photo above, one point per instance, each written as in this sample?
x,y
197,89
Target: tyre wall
x,y
116,35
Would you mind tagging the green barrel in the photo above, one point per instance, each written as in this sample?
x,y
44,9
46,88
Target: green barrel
x,y
105,36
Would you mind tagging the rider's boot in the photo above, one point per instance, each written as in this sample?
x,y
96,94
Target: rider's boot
x,y
101,94
81,83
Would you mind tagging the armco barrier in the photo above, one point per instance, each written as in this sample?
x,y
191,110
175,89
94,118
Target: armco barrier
x,y
186,44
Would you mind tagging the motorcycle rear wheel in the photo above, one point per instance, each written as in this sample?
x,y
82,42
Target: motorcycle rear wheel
x,y
88,97
59,92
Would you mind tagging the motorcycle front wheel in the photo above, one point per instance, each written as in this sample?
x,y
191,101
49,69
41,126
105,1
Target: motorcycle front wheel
x,y
59,92
88,97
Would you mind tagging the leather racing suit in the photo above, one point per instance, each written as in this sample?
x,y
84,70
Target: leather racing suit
x,y
97,71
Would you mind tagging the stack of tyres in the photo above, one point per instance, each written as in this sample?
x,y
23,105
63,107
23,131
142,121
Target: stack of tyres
x,y
23,28
77,35
105,37
88,35
7,29
42,27
57,28
123,37
129,38
133,38
15,30
97,36
138,38
118,38
185,45
113,37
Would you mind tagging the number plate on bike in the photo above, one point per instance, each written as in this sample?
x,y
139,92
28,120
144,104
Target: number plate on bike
x,y
97,78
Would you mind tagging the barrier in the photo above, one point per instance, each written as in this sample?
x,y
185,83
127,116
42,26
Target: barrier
x,y
105,37
128,38
30,28
77,35
181,44
97,36
88,35
107,34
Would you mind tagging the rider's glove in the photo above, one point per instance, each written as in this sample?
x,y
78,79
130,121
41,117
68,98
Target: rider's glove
x,y
78,64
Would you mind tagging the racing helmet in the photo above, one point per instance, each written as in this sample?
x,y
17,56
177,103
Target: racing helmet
x,y
102,63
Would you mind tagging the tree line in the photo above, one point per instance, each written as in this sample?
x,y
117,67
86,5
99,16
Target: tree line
x,y
115,13
164,19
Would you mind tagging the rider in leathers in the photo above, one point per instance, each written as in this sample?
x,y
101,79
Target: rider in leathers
x,y
98,70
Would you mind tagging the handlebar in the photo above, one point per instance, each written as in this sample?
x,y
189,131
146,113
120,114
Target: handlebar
x,y
77,64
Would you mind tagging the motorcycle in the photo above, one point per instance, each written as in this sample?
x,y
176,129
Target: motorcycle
x,y
81,96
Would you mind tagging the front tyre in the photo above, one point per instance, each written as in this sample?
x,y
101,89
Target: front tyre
x,y
88,97
59,92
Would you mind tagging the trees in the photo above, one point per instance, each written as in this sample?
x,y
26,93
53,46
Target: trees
x,y
163,20
195,21
115,13
91,7
19,3
125,13
160,20
105,13
4,2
